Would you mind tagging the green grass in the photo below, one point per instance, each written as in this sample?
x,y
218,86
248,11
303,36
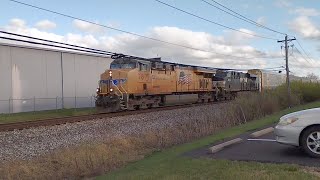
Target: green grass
x,y
40,115
170,164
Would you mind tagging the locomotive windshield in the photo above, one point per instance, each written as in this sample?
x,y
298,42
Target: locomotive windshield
x,y
123,64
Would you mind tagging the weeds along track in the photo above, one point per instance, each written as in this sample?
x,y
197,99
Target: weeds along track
x,y
73,119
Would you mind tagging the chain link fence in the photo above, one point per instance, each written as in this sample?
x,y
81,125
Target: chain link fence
x,y
34,104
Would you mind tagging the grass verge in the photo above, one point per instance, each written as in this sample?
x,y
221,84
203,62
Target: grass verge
x,y
40,115
169,164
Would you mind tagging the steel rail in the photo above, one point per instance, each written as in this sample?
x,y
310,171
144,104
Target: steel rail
x,y
74,119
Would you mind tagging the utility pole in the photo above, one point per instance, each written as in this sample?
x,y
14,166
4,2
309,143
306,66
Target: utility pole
x,y
287,66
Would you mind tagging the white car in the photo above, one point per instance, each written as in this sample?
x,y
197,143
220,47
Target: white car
x,y
302,129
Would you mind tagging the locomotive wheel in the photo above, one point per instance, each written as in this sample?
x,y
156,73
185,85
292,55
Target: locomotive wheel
x,y
103,109
136,107
149,106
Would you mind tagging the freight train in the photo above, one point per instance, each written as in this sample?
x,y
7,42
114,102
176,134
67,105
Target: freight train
x,y
133,83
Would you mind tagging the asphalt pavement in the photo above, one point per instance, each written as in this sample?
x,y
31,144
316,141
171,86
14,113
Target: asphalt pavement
x,y
262,149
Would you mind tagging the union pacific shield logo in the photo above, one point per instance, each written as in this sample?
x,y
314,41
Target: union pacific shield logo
x,y
118,81
184,78
115,82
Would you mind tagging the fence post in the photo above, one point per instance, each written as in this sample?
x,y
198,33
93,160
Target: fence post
x,y
75,103
9,105
57,103
91,100
34,103
62,102
34,107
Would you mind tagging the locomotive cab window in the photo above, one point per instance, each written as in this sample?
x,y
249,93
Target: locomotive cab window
x,y
172,67
143,67
123,65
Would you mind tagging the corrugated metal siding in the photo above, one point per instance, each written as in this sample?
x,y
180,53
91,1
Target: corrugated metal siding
x,y
27,73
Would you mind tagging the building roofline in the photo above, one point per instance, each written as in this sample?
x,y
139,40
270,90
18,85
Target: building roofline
x,y
53,50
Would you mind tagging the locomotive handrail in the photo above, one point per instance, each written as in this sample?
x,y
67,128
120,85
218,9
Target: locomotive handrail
x,y
127,97
119,91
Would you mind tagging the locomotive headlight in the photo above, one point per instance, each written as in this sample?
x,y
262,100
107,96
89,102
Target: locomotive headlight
x,y
110,73
111,90
98,90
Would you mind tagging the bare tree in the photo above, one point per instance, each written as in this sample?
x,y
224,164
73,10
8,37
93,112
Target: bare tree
x,y
312,76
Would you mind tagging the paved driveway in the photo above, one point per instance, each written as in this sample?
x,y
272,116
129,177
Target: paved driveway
x,y
263,149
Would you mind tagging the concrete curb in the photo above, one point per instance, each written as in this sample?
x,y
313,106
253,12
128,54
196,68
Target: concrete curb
x,y
219,147
262,132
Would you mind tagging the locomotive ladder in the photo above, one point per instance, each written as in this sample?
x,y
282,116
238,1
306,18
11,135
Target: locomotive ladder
x,y
124,102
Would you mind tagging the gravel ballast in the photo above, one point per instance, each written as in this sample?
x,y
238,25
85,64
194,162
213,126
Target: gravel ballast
x,y
29,143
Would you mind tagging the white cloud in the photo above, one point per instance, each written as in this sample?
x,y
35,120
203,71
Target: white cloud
x,y
88,27
305,27
82,40
262,20
234,37
19,23
282,3
306,11
245,6
138,46
201,40
301,67
45,25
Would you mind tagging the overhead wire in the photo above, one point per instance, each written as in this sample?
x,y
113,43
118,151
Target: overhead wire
x,y
131,33
67,46
108,54
55,42
302,55
303,50
294,57
213,22
239,16
55,46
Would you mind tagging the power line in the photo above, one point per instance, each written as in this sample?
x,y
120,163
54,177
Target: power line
x,y
266,69
303,56
235,14
113,55
55,46
312,66
210,21
303,50
104,53
55,42
131,33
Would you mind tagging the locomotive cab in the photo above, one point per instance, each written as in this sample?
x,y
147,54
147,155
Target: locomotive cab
x,y
116,76
112,91
125,78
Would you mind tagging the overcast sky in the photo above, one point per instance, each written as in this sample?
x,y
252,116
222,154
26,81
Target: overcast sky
x,y
150,18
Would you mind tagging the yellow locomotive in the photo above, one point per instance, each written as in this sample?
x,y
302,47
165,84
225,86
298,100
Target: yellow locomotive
x,y
133,83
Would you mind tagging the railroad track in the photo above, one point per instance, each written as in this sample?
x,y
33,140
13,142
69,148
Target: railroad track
x,y
73,119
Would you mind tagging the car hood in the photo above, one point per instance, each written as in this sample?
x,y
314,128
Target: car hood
x,y
314,111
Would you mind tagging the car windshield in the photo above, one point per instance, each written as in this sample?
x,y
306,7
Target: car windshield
x,y
123,66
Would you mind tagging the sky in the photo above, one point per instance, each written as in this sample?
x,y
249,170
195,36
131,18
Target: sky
x,y
297,18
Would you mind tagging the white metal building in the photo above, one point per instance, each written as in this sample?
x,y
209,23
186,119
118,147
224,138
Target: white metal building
x,y
40,79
